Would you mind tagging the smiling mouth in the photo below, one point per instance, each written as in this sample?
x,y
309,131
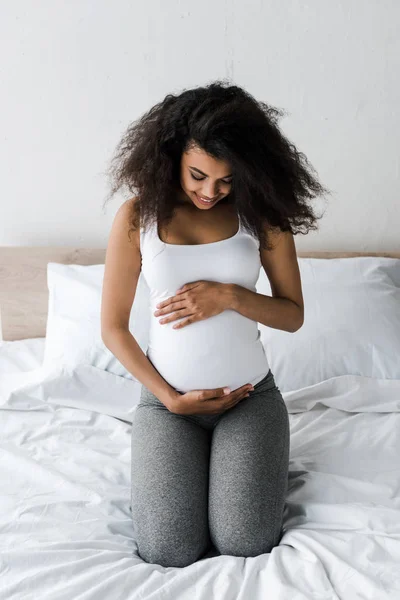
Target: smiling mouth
x,y
204,200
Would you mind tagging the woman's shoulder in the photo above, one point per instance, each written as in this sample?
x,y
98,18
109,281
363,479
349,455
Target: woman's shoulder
x,y
132,207
129,214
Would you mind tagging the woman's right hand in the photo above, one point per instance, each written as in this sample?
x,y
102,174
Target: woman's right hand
x,y
207,402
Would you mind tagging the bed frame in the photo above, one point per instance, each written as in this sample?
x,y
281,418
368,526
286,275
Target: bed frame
x,y
23,282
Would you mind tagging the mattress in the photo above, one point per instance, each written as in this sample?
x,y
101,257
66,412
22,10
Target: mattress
x,y
66,530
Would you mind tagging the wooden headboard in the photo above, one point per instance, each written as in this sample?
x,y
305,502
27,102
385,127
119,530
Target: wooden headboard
x,y
23,282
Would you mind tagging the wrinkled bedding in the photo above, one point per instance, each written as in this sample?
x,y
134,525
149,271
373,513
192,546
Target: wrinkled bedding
x,y
66,530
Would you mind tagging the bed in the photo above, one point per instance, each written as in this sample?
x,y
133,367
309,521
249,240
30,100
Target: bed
x,y
66,408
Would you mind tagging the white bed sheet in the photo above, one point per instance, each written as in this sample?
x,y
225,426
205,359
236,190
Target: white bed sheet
x,y
21,355
66,529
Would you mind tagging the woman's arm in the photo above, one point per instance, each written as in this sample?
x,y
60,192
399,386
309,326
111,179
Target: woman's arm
x,y
278,313
121,274
285,308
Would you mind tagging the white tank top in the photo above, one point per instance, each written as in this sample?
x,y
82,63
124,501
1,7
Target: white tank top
x,y
222,350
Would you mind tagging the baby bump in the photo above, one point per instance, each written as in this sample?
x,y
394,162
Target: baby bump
x,y
223,350
185,369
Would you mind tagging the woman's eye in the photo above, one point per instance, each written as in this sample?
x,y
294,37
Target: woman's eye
x,y
201,179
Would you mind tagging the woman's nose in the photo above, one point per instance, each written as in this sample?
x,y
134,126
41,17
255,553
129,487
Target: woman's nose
x,y
211,191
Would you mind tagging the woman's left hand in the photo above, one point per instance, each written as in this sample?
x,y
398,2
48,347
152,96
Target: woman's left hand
x,y
197,301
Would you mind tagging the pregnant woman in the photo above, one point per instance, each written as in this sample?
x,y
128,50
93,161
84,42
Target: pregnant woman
x,y
219,193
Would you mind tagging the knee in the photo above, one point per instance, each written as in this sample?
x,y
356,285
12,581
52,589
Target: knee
x,y
244,548
245,544
168,554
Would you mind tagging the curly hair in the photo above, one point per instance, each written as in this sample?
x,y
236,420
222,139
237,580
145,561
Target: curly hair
x,y
272,181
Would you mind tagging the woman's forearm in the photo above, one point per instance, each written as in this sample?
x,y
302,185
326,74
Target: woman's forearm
x,y
278,313
126,349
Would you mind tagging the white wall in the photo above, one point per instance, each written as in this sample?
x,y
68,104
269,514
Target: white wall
x,y
75,74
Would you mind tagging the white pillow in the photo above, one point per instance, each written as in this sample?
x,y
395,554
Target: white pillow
x,y
73,331
19,356
351,322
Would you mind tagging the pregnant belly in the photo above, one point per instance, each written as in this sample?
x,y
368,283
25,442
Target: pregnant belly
x,y
224,350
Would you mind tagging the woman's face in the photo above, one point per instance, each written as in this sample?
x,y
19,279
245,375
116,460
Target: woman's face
x,y
204,177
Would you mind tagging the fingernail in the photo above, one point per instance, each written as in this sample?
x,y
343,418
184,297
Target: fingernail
x,y
227,390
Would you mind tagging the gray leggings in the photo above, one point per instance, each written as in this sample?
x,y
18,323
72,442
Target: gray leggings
x,y
203,480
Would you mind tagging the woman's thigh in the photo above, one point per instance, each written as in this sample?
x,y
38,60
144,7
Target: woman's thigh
x,y
169,479
249,463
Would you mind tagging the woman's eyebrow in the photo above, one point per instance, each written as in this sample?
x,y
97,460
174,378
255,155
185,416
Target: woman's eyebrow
x,y
205,174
